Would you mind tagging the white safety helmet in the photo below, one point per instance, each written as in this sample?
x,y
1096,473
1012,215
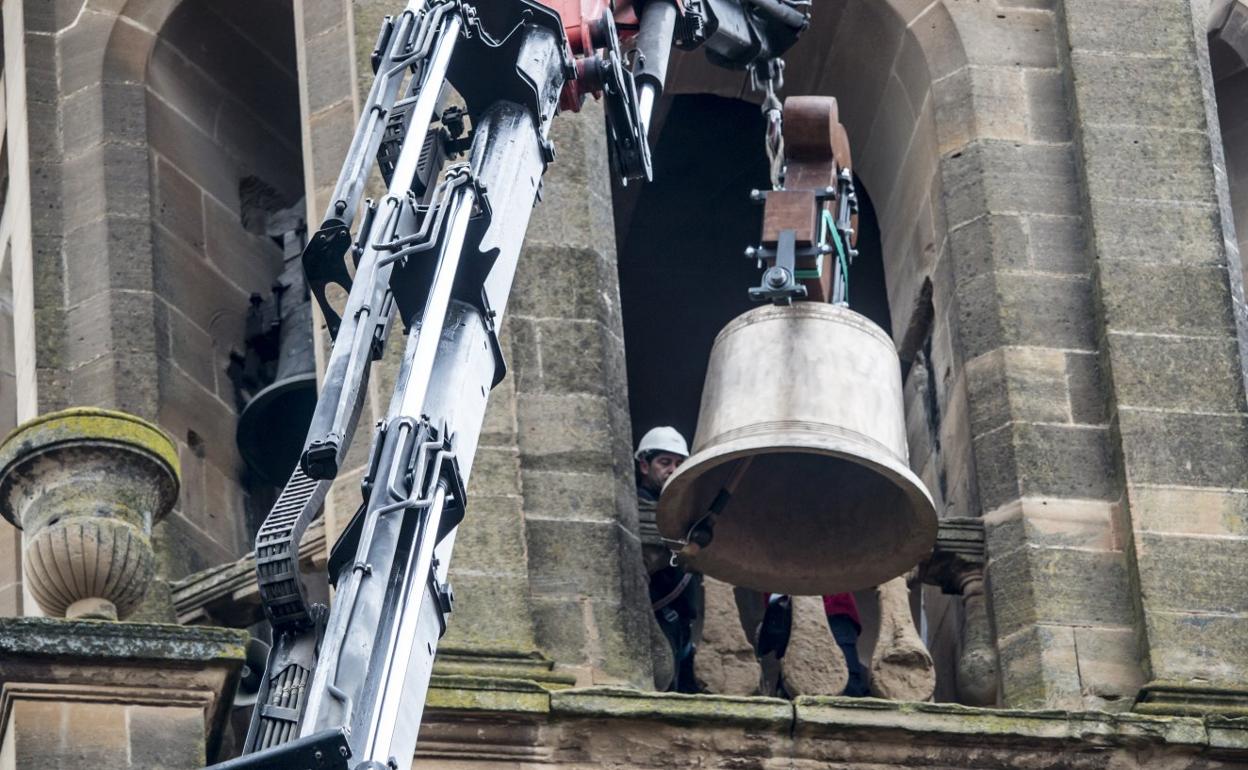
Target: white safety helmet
x,y
662,439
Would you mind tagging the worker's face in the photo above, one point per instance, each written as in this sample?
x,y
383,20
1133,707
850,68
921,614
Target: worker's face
x,y
655,471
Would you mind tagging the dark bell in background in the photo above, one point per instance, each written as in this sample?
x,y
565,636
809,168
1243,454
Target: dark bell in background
x,y
275,378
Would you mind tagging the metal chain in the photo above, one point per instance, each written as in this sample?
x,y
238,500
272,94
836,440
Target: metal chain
x,y
768,78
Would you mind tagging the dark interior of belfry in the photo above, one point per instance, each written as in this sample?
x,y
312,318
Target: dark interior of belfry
x,y
683,275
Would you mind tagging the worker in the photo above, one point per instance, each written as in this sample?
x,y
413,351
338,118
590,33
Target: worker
x,y
659,454
673,591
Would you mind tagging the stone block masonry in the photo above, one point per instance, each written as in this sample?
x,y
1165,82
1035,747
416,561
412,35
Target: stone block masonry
x,y
1174,368
147,123
114,696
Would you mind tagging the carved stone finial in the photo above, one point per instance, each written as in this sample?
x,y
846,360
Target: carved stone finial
x,y
86,485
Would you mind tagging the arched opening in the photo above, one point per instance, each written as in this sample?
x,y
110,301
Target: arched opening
x,y
224,138
1228,56
681,238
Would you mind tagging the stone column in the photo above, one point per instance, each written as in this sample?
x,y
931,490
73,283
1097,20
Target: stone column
x,y
114,696
901,668
585,565
957,567
1168,282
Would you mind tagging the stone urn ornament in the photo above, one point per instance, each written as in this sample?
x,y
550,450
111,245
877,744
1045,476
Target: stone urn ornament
x,y
86,486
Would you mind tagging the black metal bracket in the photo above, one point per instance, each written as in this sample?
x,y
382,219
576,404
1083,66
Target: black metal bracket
x,y
411,279
441,467
490,317
445,597
491,73
324,264
780,284
630,151
326,750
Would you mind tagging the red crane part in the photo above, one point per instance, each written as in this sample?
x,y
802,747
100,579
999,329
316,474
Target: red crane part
x,y
584,27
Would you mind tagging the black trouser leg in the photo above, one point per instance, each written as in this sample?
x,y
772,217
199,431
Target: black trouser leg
x,y
845,631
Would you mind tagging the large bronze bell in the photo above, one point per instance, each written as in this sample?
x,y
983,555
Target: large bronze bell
x,y
800,458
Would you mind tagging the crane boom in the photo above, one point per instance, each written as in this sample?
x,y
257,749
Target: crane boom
x,y
457,118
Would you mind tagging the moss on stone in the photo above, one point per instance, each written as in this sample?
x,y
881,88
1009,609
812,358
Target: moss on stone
x,y
612,702
474,693
816,715
90,424
546,678
56,638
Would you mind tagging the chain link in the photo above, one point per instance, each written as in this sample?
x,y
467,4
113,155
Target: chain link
x,y
768,77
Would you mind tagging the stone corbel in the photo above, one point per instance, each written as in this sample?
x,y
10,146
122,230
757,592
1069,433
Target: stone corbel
x,y
957,567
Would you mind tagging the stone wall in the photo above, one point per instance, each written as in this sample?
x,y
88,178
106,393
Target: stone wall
x,y
222,112
1167,280
1062,285
467,728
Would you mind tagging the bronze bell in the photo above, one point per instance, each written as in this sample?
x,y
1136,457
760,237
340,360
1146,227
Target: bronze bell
x,y
799,480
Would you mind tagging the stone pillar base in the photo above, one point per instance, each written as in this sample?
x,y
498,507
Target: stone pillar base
x,y
1182,699
113,696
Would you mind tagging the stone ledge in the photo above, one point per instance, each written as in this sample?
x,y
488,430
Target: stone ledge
x,y
621,703
500,664
110,641
487,694
810,722
1187,699
1013,727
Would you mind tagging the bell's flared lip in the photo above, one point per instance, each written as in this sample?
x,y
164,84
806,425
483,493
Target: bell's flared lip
x,y
863,451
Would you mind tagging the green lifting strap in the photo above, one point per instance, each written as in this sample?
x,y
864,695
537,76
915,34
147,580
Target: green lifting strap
x,y
828,226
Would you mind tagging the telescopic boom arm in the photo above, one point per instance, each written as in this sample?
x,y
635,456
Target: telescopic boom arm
x,y
457,119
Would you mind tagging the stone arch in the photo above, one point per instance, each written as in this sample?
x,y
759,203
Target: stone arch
x,y
898,72
959,118
196,98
